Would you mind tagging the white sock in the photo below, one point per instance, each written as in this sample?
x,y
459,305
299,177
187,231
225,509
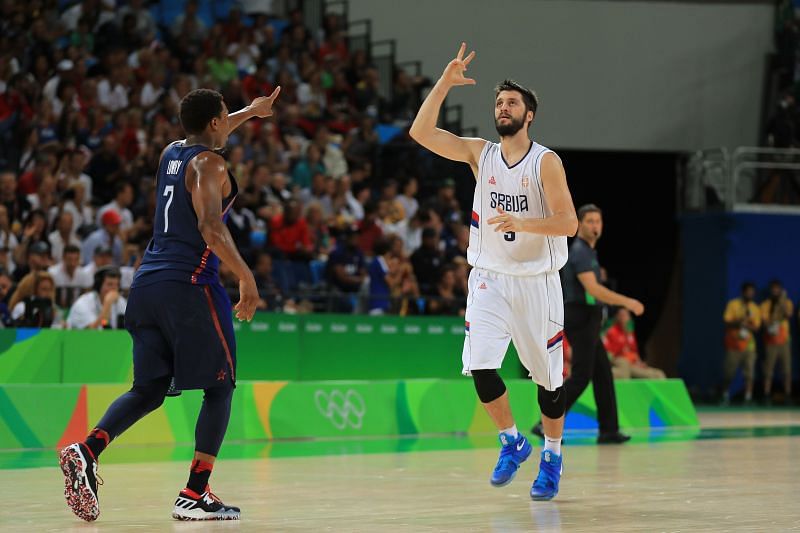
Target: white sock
x,y
552,445
511,431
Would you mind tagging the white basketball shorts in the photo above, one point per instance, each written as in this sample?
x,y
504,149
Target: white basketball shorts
x,y
526,309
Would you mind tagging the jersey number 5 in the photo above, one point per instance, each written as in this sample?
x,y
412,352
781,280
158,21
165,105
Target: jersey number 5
x,y
169,190
509,236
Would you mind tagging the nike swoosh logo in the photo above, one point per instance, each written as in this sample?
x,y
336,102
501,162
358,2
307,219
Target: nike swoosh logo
x,y
520,445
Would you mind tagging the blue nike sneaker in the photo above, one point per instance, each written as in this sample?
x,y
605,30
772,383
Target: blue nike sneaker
x,y
514,452
546,485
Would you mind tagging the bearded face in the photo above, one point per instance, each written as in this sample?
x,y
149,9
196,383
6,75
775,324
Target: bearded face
x,y
509,113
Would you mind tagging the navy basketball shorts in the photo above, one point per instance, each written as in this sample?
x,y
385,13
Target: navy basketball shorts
x,y
182,330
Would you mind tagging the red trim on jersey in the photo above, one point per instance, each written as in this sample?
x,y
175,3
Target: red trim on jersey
x,y
202,265
217,327
475,219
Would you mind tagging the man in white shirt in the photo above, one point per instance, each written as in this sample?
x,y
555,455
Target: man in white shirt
x,y
103,307
63,236
70,279
111,91
123,198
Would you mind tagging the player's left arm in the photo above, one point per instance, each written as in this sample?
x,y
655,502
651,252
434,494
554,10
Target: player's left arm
x,y
260,107
563,221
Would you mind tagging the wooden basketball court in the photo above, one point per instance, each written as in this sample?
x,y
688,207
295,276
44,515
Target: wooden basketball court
x,y
741,474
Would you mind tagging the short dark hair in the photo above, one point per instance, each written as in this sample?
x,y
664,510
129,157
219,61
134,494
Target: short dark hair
x,y
198,108
748,285
586,209
528,96
121,186
71,249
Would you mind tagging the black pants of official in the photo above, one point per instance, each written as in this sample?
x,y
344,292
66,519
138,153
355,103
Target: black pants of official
x,y
590,363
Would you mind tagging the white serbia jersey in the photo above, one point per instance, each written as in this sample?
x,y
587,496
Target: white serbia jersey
x,y
518,190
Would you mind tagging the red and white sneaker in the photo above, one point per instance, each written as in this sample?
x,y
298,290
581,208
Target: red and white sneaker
x,y
206,506
80,481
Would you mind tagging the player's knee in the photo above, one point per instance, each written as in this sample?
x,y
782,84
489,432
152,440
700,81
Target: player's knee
x,y
488,384
152,394
553,404
221,394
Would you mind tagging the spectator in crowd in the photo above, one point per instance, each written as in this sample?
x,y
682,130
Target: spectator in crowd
x,y
85,108
123,199
101,257
384,277
346,270
64,235
427,261
106,236
268,290
70,280
408,198
6,284
289,233
447,300
369,229
101,308
33,303
36,259
776,311
742,320
307,167
620,343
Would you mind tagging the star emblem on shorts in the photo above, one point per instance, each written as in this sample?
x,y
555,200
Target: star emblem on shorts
x,y
221,375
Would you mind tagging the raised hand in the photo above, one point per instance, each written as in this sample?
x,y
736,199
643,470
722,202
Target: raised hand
x,y
453,74
262,106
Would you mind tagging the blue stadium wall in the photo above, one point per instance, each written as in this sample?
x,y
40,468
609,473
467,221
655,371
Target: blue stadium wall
x,y
720,252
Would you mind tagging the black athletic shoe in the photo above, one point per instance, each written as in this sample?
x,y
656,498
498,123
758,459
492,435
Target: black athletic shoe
x,y
172,391
614,437
538,430
206,506
80,481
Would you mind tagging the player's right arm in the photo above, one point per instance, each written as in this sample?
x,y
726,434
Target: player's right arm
x,y
604,294
206,176
440,141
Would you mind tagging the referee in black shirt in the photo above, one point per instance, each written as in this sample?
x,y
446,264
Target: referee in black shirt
x,y
583,316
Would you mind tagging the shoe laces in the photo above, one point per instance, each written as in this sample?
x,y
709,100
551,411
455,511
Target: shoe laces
x,y
212,495
97,477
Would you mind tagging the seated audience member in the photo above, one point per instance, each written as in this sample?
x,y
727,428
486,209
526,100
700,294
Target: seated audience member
x,y
268,290
37,260
6,284
103,307
620,343
70,279
33,304
346,269
64,235
289,233
102,258
106,236
427,261
445,300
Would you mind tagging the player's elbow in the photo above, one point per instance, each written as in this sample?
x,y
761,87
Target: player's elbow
x,y
572,225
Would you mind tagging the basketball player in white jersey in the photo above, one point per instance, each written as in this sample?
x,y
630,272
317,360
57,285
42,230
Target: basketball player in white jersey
x,y
521,216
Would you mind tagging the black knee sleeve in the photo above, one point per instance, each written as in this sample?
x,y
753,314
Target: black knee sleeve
x,y
553,404
489,384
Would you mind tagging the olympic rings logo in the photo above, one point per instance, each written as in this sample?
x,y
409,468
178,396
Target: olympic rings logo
x,y
342,409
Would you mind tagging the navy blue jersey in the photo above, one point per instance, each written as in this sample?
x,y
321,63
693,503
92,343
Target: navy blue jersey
x,y
177,250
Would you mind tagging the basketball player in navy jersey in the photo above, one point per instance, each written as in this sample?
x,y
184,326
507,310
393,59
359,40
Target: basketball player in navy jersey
x,y
522,213
178,314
